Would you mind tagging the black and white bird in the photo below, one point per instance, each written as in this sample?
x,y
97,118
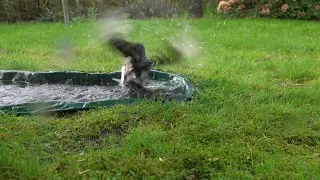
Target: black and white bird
x,y
135,66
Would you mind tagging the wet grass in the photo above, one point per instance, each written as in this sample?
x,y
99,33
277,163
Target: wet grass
x,y
256,115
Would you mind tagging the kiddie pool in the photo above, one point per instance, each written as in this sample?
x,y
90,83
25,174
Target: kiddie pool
x,y
26,92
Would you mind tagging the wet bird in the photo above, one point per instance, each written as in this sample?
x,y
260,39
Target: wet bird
x,y
136,65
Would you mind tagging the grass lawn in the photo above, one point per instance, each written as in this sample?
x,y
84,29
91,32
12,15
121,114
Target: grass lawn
x,y
256,114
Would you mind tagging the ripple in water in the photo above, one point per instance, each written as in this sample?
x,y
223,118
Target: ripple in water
x,y
17,93
12,93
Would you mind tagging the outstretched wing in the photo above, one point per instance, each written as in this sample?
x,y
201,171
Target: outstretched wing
x,y
125,47
135,50
175,50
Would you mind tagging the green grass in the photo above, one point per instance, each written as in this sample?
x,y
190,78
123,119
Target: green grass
x,y
256,114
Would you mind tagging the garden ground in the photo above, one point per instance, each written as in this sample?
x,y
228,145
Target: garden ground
x,y
256,114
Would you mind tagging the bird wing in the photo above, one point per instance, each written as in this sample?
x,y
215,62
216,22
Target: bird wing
x,y
125,47
168,54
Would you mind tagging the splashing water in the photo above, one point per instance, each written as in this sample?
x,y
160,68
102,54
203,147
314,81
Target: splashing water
x,y
64,49
115,24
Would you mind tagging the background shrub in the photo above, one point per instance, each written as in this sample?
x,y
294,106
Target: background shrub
x,y
293,9
48,10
